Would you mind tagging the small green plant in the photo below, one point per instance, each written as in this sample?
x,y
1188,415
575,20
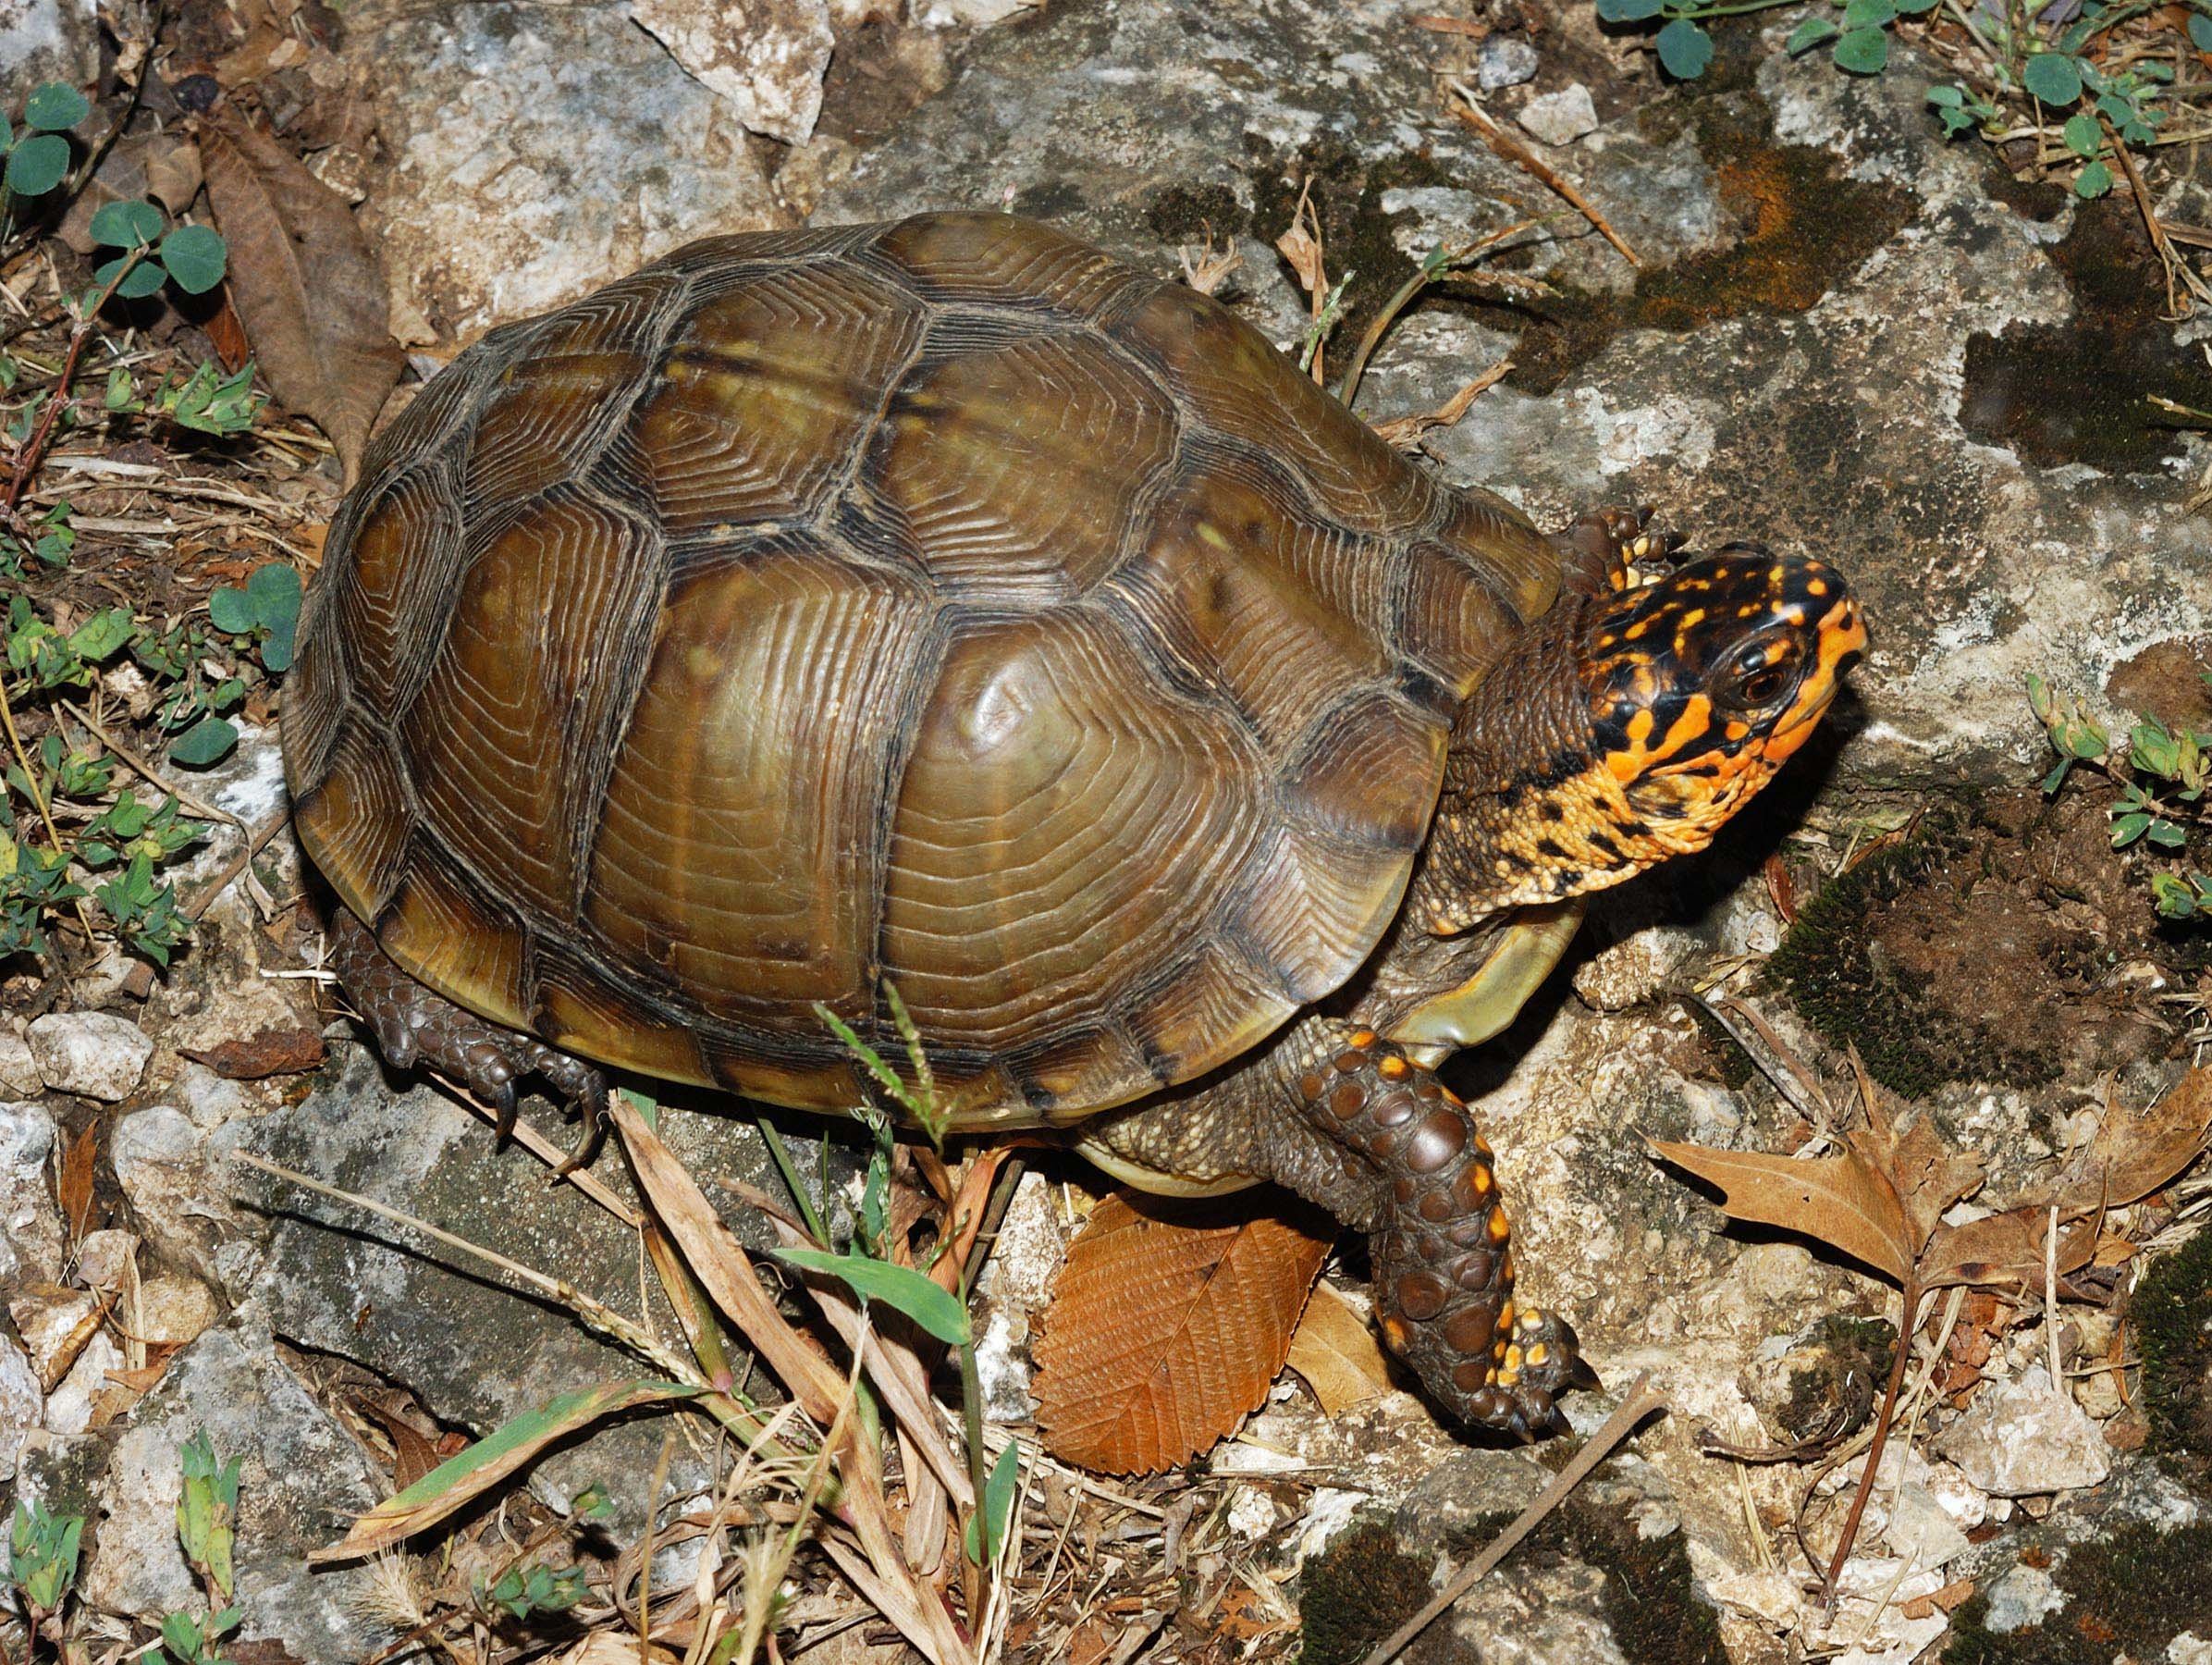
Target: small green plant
x,y
206,1517
38,158
42,1563
2159,775
2043,68
523,1591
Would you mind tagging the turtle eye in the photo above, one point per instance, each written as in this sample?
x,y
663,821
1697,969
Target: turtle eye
x,y
1759,675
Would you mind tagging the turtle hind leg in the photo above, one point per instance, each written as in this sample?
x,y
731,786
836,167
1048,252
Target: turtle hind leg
x,y
416,1025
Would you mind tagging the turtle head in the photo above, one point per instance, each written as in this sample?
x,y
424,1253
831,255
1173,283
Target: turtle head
x,y
1628,726
1703,684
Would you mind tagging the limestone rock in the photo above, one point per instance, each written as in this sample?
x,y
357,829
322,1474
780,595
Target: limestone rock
x,y
19,1065
31,1231
95,1055
47,40
22,1404
765,57
538,150
161,1160
2022,1438
1505,61
300,1478
1560,118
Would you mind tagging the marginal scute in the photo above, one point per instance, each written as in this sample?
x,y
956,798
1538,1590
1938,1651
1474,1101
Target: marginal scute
x,y
455,941
354,823
944,604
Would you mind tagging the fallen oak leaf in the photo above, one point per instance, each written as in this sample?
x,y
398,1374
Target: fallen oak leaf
x,y
1167,1325
305,282
272,1052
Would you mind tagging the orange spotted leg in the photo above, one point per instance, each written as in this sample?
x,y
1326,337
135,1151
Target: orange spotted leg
x,y
413,1025
1442,1250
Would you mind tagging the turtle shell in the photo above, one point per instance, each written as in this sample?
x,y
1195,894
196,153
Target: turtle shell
x,y
942,604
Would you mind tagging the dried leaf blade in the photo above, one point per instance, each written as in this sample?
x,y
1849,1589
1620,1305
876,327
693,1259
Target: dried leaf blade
x,y
1843,1200
306,283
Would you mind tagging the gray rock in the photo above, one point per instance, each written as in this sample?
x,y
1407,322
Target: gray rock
x,y
301,1479
161,1160
765,57
31,1232
1505,61
47,40
95,1055
2022,1438
209,1099
1560,118
2022,1598
19,1067
536,151
21,1403
475,1349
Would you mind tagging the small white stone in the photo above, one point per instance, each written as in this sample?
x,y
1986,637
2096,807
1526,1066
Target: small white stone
x,y
2189,1649
103,1257
1922,1530
46,1317
1251,1513
1504,61
69,1410
2023,1438
209,1099
2023,1596
18,1069
95,1055
1560,118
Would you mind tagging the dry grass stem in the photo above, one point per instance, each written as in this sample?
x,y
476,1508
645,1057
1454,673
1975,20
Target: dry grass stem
x,y
1514,152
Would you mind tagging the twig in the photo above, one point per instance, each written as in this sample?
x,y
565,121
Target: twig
x,y
152,776
1514,151
1883,1419
1403,433
1643,1398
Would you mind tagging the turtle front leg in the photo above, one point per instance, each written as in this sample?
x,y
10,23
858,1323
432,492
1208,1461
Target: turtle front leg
x,y
416,1025
1344,1119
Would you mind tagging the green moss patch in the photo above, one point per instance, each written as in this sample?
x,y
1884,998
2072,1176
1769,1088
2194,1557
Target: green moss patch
x,y
2128,1594
1356,1593
2172,1314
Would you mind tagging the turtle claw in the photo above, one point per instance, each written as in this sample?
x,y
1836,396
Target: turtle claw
x,y
413,1025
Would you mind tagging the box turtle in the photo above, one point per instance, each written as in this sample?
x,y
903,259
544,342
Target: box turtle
x,y
946,606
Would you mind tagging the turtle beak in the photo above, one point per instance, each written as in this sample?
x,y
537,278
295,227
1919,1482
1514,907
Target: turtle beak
x,y
1840,638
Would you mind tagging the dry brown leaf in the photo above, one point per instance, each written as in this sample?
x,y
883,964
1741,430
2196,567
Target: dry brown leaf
x,y
272,1052
1302,248
1336,1351
1843,1200
306,283
2133,1155
73,1184
1168,1325
413,1455
2004,1249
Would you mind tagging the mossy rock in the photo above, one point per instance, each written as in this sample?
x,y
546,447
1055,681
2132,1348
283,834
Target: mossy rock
x,y
2172,1314
1362,1587
1832,965
2128,1593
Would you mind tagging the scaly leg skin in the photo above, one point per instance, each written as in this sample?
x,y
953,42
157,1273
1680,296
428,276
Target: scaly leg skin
x,y
1380,1143
414,1025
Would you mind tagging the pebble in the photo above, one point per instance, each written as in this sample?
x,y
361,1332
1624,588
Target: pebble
x,y
1504,61
95,1055
18,1069
1560,118
2022,1440
2189,1649
173,1310
2023,1597
104,1257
